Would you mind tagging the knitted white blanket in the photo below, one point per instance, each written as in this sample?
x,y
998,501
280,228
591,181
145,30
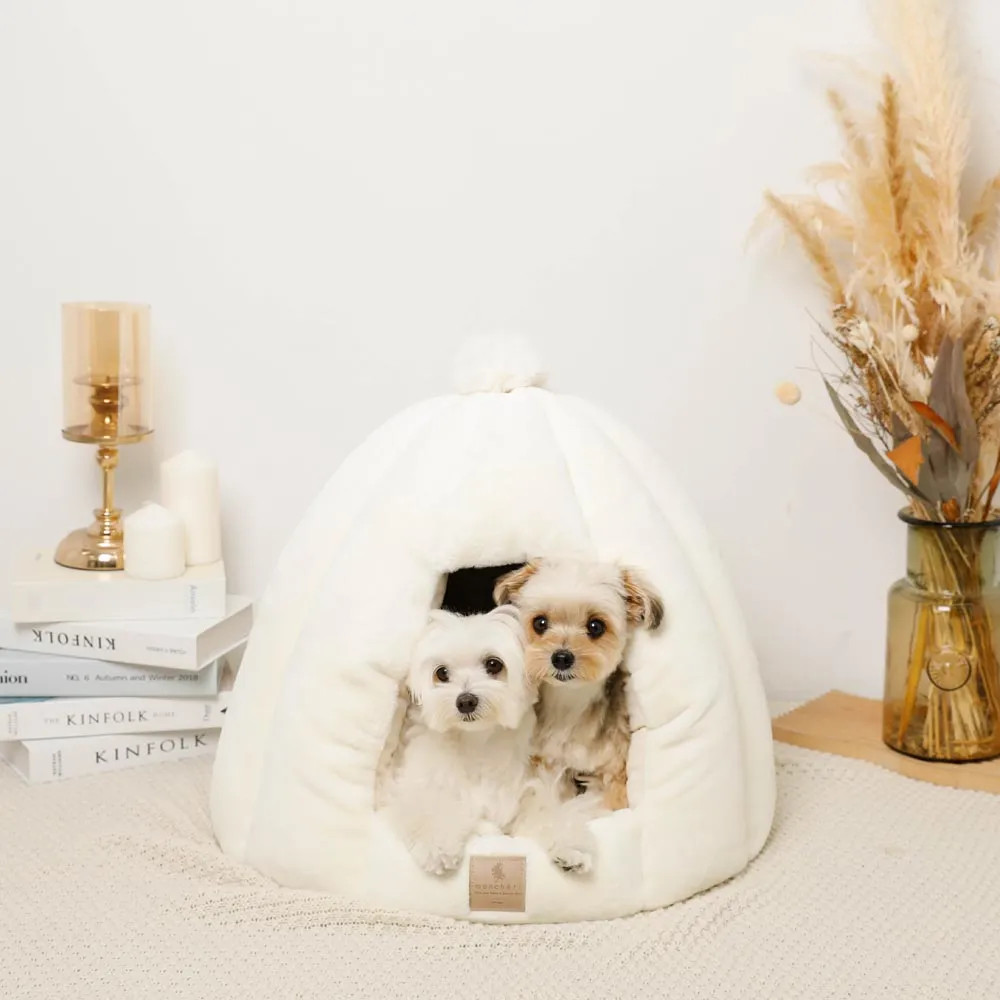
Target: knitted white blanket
x,y
872,885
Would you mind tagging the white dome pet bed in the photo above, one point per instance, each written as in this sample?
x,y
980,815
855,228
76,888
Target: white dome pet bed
x,y
498,473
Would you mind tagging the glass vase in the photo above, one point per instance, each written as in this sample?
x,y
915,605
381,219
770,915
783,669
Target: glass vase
x,y
942,679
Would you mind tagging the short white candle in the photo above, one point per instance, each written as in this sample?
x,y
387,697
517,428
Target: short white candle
x,y
189,488
154,544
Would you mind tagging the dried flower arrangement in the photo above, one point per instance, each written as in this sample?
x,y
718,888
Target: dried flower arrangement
x,y
914,292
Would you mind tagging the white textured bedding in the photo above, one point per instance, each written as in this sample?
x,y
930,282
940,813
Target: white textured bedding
x,y
871,887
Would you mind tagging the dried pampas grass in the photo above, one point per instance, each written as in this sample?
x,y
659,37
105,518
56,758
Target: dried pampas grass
x,y
914,300
912,286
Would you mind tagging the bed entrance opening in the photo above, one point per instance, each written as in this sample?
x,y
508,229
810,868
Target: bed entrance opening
x,y
470,591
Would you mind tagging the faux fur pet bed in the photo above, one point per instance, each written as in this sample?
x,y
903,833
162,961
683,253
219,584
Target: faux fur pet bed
x,y
426,511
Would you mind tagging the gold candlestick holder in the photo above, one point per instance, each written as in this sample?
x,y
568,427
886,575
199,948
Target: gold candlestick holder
x,y
106,402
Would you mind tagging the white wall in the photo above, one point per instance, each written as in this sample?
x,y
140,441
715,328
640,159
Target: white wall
x,y
321,198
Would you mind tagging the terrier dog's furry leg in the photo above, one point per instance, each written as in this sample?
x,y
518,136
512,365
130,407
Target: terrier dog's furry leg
x,y
616,791
559,827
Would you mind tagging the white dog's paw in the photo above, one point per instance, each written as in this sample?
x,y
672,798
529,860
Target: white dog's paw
x,y
572,859
573,849
437,860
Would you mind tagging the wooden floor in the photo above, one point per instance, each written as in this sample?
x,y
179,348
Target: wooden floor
x,y
844,724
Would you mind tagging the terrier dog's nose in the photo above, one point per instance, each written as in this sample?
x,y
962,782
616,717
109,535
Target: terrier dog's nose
x,y
466,703
563,659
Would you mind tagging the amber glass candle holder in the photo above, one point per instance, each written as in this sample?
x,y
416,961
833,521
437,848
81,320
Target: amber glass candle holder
x,y
106,402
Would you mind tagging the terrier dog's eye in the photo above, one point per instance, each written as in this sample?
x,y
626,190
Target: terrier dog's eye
x,y
540,624
441,674
493,666
596,628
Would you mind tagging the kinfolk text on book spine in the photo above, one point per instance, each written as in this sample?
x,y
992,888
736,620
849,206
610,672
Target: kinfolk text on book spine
x,y
179,644
54,717
71,640
53,760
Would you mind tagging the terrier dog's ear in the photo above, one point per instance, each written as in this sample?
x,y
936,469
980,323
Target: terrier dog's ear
x,y
509,585
643,605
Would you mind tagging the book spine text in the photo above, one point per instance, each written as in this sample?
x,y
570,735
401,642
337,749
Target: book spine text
x,y
53,717
76,758
88,678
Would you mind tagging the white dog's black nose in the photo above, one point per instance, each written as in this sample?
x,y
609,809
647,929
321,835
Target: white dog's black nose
x,y
467,703
563,659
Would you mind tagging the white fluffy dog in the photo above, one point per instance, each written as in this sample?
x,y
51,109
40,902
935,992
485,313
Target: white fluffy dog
x,y
462,759
462,764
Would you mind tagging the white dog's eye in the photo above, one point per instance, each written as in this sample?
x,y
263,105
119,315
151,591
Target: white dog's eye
x,y
493,666
441,674
596,628
540,624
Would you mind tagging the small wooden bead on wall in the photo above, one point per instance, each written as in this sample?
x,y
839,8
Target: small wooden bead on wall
x,y
788,393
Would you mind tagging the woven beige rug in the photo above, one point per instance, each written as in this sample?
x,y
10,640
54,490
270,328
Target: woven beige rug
x,y
872,885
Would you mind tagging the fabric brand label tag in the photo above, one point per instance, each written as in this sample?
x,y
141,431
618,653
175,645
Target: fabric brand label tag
x,y
497,882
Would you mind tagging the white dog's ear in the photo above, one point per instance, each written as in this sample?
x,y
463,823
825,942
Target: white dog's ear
x,y
510,584
438,616
508,614
643,604
505,611
411,679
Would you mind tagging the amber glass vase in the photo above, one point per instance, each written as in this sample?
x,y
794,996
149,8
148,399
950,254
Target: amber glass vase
x,y
942,680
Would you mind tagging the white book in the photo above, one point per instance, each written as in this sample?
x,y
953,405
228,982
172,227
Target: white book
x,y
43,675
42,718
43,591
180,643
53,760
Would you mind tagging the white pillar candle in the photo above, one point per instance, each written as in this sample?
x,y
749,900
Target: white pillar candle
x,y
189,487
154,544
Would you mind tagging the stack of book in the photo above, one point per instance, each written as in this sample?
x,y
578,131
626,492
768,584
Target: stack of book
x,y
100,671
